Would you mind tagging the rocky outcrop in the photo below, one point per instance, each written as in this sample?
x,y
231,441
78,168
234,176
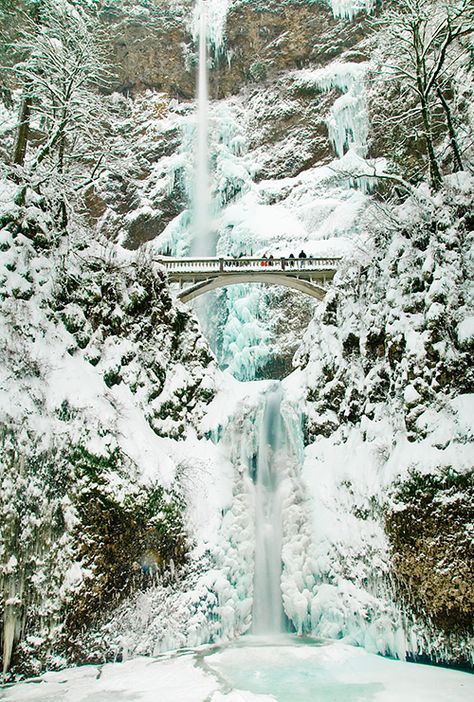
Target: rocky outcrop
x,y
153,46
287,130
431,544
148,47
265,39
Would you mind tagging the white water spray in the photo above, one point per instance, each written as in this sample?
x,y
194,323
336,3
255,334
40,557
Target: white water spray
x,y
268,616
202,200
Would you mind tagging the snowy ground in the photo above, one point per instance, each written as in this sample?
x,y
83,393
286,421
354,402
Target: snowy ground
x,y
283,669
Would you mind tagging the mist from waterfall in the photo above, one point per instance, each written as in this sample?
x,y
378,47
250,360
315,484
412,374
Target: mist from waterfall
x,y
268,616
201,244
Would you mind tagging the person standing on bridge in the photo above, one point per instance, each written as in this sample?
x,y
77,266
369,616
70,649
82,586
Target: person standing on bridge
x,y
302,256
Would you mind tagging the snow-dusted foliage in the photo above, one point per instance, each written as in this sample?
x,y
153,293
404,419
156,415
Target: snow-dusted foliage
x,y
59,66
423,85
97,364
389,421
211,598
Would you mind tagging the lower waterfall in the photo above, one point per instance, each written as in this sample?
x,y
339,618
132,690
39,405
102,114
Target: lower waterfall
x,y
268,616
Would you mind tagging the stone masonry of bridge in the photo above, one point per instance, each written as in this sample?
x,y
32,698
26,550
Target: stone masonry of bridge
x,y
306,275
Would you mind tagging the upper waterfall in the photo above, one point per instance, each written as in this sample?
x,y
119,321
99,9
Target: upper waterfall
x,y
201,245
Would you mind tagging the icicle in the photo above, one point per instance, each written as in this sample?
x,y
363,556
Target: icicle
x,y
217,15
348,9
348,122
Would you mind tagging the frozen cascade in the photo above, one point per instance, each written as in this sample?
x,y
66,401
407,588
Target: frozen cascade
x,y
259,551
216,11
348,9
347,122
268,614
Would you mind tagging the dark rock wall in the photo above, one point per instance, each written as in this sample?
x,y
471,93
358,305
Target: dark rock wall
x,y
156,49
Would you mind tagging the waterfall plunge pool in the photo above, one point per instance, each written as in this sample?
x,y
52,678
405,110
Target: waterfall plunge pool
x,y
252,669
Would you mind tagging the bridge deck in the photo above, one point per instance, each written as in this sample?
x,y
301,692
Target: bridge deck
x,y
196,269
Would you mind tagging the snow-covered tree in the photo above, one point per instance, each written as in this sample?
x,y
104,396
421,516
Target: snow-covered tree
x,y
424,45
61,74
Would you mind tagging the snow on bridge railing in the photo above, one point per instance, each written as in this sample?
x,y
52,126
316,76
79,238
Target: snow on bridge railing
x,y
215,264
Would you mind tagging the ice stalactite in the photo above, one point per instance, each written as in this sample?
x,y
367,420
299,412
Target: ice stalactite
x,y
245,338
216,11
348,9
228,145
347,122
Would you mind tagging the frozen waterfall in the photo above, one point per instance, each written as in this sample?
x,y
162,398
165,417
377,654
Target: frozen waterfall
x,y
268,616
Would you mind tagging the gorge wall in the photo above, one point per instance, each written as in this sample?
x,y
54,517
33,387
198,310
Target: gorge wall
x,y
124,475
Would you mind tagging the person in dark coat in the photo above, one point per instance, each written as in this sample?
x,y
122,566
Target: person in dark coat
x,y
302,256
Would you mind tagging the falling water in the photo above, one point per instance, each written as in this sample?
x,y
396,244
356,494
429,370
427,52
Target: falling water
x,y
202,240
268,616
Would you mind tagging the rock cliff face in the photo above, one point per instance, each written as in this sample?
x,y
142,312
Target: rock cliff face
x,y
107,370
263,40
153,47
149,45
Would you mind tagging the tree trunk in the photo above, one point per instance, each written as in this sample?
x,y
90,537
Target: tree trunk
x,y
423,92
435,172
457,161
61,216
21,140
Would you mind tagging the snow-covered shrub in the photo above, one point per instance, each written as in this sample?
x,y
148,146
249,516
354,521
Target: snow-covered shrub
x,y
97,362
389,427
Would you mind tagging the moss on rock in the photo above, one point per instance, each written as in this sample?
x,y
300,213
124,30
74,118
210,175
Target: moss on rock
x,y
430,535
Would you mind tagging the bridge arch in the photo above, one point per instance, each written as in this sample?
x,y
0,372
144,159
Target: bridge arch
x,y
223,281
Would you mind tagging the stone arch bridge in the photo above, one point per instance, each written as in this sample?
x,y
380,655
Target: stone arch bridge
x,y
307,275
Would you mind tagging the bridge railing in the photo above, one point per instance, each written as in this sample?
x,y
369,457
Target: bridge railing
x,y
229,264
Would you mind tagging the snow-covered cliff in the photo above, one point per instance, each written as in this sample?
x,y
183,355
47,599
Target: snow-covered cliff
x,y
98,364
387,363
127,456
